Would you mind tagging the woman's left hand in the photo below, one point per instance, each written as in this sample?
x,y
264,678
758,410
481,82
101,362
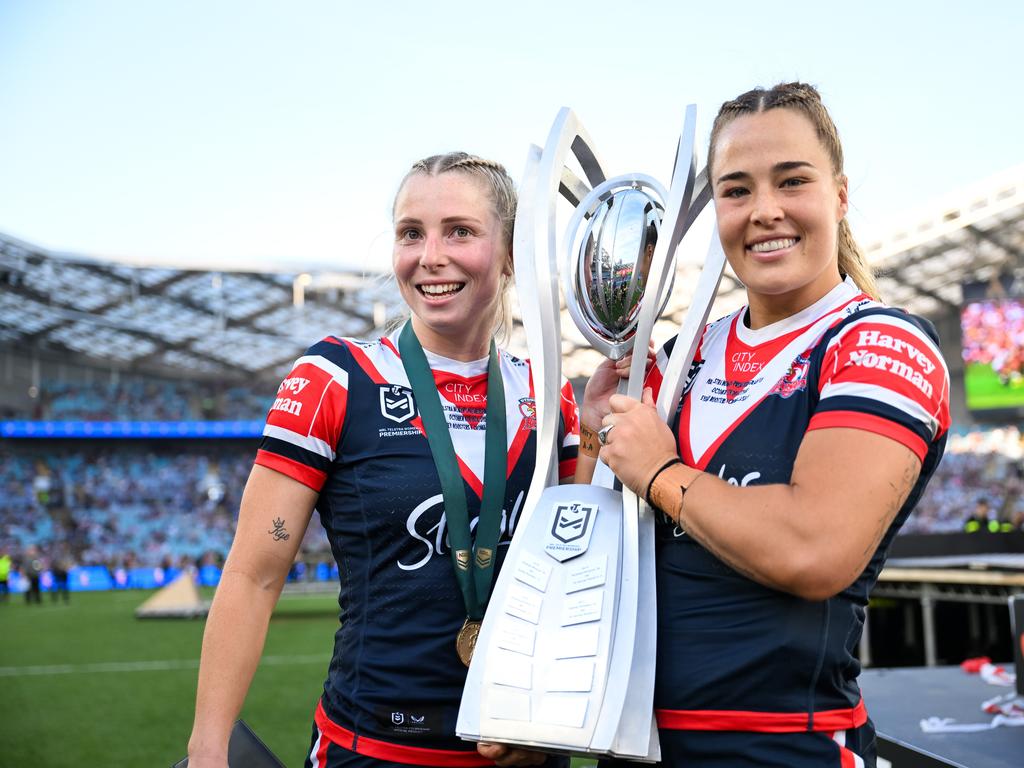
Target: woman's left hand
x,y
638,443
505,755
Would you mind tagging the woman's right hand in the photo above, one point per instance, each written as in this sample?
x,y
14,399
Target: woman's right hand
x,y
603,384
507,756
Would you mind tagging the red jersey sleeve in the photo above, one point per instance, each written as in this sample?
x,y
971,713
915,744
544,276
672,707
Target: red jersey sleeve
x,y
883,373
304,423
569,449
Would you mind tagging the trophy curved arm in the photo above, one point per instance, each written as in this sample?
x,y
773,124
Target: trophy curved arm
x,y
535,257
675,225
693,326
533,308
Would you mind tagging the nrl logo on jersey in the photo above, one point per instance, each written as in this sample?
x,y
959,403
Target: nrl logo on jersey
x,y
571,528
396,403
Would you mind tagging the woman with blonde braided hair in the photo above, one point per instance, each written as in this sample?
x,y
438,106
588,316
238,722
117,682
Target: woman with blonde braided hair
x,y
811,420
416,449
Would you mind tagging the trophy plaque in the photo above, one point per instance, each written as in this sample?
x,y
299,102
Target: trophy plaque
x,y
565,656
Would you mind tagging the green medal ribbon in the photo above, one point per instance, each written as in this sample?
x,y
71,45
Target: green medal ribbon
x,y
466,554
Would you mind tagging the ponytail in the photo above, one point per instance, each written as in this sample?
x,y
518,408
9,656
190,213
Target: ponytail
x,y
852,263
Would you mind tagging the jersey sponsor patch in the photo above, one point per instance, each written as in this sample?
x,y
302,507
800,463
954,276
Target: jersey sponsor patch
x,y
301,396
427,530
467,393
890,360
410,719
891,355
729,399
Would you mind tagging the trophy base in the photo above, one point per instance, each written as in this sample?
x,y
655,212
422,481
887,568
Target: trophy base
x,y
563,648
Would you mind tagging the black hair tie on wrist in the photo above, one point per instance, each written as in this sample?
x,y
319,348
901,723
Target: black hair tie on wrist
x,y
671,462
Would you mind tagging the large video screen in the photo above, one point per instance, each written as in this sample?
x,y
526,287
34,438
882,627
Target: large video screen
x,y
993,351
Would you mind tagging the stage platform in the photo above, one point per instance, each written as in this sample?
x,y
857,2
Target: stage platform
x,y
898,699
975,579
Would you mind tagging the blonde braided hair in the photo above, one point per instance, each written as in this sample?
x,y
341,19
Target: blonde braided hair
x,y
504,198
805,99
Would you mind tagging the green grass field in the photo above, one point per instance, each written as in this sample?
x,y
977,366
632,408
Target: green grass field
x,y
88,684
984,390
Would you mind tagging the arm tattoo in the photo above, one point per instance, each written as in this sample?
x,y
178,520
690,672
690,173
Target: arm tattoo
x,y
279,532
900,491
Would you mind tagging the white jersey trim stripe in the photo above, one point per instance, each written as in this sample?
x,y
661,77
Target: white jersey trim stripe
x,y
839,737
340,375
311,444
320,402
885,395
316,748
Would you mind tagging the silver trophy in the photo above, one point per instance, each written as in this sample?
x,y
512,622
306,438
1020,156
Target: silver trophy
x,y
565,656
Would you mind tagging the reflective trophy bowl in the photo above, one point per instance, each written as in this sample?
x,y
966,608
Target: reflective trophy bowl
x,y
608,271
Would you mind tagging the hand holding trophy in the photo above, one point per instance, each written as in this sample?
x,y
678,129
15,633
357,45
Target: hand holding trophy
x,y
565,655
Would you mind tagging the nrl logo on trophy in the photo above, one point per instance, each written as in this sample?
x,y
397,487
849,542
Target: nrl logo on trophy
x,y
570,530
583,555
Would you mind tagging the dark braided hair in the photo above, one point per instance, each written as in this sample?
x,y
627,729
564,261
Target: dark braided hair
x,y
805,99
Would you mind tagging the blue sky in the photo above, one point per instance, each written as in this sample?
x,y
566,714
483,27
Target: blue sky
x,y
260,135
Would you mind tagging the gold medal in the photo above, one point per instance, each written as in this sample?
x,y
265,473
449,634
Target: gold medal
x,y
465,641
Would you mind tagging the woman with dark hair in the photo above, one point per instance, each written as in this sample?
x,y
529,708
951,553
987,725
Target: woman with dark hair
x,y
810,422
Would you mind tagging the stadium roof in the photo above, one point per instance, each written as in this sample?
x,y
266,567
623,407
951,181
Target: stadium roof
x,y
239,324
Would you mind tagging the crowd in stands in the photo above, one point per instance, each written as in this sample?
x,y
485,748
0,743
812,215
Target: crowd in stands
x,y
127,504
981,468
119,505
148,399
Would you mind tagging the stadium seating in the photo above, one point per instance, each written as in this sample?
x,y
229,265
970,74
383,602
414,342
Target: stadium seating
x,y
978,464
125,504
147,399
120,504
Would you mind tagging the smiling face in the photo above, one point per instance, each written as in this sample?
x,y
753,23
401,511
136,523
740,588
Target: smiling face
x,y
451,261
778,204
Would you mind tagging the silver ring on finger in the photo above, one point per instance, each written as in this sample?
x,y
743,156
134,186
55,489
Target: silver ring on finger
x,y
602,434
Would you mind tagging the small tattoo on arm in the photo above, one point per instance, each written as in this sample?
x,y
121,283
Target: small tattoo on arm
x,y
900,492
279,533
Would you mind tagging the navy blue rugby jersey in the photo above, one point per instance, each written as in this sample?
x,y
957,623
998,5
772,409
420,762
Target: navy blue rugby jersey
x,y
346,424
736,655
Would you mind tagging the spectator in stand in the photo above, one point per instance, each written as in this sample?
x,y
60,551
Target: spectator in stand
x,y
979,463
981,519
33,570
5,575
59,568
